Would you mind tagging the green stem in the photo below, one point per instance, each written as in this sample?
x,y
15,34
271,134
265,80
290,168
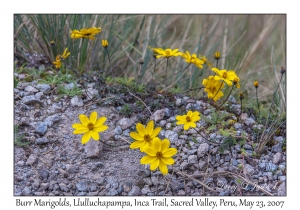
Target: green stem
x,y
109,61
257,103
167,70
226,98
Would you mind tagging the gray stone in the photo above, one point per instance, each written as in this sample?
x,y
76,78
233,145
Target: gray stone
x,y
249,121
172,136
235,162
277,148
26,191
29,100
237,126
91,93
31,159
231,99
39,96
82,186
191,152
45,88
135,191
75,101
69,86
202,165
43,140
41,128
185,165
236,108
200,140
112,192
145,190
282,178
126,123
247,146
144,173
30,89
248,169
262,164
73,169
271,167
181,193
36,184
162,123
278,139
167,112
63,187
118,130
93,148
281,189
43,173
277,158
207,112
93,188
52,119
158,115
192,159
202,150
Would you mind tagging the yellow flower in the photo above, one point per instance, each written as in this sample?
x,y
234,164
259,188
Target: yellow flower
x,y
65,54
144,136
236,81
85,33
52,43
206,61
159,155
188,120
90,127
212,86
104,43
57,63
226,76
166,53
192,59
217,55
255,83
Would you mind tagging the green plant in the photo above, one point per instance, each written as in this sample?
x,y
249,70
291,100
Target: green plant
x,y
126,110
18,139
62,90
216,119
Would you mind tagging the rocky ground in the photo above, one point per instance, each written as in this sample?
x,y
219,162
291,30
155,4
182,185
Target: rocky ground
x,y
56,163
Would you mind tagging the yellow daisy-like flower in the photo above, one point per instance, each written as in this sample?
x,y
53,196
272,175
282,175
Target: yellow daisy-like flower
x,y
213,88
104,43
217,55
144,136
159,155
206,61
192,59
166,53
236,82
57,63
188,120
226,76
85,33
255,83
90,127
65,54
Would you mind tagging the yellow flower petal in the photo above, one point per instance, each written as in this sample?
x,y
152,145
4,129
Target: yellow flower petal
x,y
155,132
80,131
150,127
165,145
136,136
150,151
95,135
79,126
168,160
147,159
157,143
141,129
86,137
93,117
137,144
170,152
154,164
84,119
163,168
100,128
100,121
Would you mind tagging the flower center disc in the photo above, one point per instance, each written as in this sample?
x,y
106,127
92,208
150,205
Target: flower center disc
x,y
90,126
188,119
159,155
224,74
147,137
